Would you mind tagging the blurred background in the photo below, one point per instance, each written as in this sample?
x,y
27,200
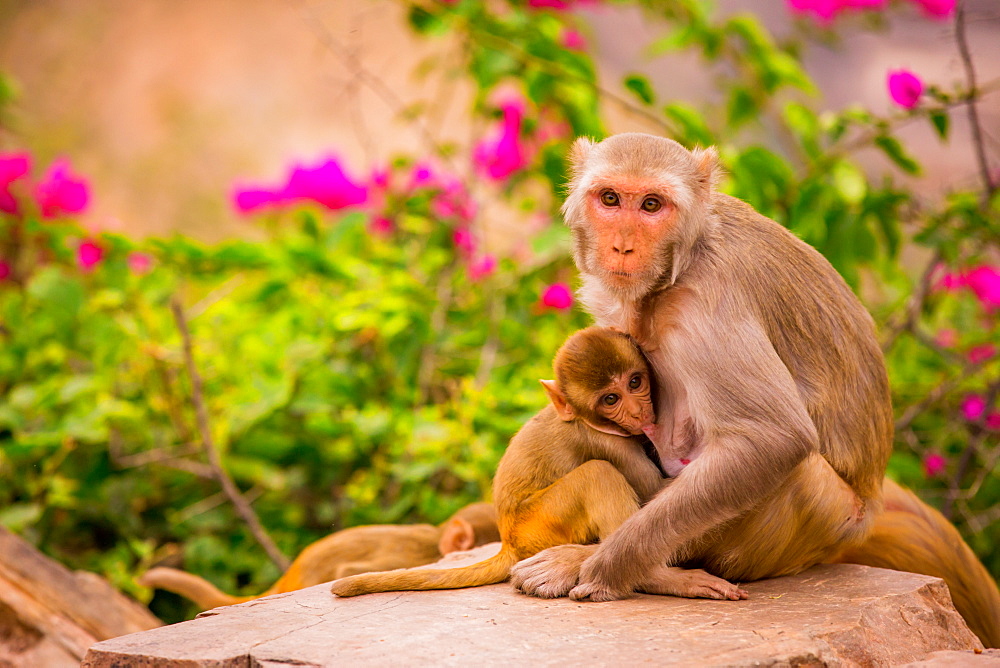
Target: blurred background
x,y
356,205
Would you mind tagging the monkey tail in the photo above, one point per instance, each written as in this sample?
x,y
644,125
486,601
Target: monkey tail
x,y
199,590
491,571
911,536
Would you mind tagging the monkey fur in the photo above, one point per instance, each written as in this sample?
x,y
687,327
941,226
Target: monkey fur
x,y
571,475
356,550
767,356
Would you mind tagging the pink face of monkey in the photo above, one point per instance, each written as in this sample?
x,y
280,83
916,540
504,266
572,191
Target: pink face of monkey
x,y
630,221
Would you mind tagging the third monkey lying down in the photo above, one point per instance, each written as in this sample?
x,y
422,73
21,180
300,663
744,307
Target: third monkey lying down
x,y
573,474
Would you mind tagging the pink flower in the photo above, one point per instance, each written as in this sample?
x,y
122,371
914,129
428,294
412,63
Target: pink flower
x,y
558,296
499,158
464,241
381,226
981,353
325,184
252,199
5,270
573,40
946,338
939,9
826,10
934,464
984,281
550,4
13,166
454,201
993,420
972,407
61,191
140,263
422,176
905,88
89,255
482,267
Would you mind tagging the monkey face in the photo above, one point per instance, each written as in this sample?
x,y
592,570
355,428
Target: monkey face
x,y
625,405
630,223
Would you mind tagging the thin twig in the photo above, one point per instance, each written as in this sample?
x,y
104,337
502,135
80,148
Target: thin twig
x,y
915,303
970,77
242,506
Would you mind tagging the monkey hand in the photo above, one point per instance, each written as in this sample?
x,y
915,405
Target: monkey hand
x,y
552,572
602,579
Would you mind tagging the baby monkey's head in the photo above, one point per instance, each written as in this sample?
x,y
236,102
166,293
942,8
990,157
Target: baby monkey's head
x,y
603,379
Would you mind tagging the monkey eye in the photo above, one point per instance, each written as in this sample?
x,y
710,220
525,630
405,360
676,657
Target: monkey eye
x,y
611,399
609,198
634,382
651,205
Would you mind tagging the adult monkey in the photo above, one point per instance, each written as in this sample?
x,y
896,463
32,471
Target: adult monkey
x,y
761,348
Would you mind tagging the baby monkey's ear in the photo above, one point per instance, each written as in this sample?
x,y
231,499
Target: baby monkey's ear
x,y
558,400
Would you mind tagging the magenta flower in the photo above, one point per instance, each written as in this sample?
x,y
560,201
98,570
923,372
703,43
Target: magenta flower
x,y
61,191
89,255
5,270
573,40
939,9
558,296
946,338
905,88
499,158
973,406
381,226
482,267
550,4
140,263
981,353
464,241
984,281
993,421
252,199
454,201
325,184
13,166
934,464
824,11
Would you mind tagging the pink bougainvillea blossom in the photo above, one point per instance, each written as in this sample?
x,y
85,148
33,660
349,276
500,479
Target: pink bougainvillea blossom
x,y
89,255
61,191
464,241
984,281
905,88
573,40
453,201
550,4
981,353
502,156
558,296
934,464
993,421
326,184
5,270
482,267
973,406
253,199
13,166
824,11
140,263
939,9
946,338
381,226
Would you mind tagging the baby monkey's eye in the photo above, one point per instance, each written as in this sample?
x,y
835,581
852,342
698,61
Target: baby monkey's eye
x,y
611,399
634,382
651,205
609,198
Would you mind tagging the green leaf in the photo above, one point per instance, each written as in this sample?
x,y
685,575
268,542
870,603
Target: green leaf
x,y
849,181
691,129
894,150
742,107
940,120
640,86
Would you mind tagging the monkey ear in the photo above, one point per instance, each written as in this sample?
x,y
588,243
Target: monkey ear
x,y
579,151
558,400
707,161
457,534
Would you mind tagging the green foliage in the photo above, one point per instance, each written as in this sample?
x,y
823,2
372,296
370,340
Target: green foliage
x,y
352,377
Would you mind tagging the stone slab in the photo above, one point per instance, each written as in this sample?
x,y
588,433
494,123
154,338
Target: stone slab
x,y
829,615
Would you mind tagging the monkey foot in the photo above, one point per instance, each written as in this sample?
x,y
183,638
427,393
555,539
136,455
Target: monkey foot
x,y
693,583
551,573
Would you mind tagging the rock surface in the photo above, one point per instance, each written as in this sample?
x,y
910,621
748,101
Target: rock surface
x,y
830,615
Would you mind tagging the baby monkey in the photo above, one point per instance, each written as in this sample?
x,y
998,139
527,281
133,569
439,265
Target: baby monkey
x,y
571,475
355,550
